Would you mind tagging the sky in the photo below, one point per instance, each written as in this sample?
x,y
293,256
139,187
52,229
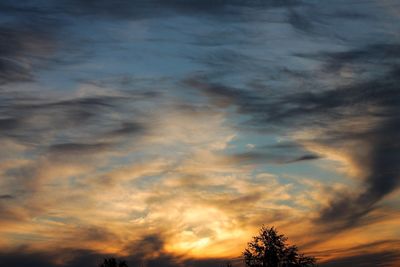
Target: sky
x,y
167,132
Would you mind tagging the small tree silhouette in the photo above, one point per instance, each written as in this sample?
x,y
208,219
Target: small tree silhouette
x,y
112,262
269,249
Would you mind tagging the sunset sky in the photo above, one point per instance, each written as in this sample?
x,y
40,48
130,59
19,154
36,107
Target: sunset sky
x,y
167,132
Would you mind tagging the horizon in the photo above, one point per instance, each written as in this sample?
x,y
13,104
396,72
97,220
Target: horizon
x,y
167,132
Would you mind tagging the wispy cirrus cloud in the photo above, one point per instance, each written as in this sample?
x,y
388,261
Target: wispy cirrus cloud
x,y
167,132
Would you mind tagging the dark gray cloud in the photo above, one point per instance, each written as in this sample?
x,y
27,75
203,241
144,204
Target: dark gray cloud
x,y
304,158
145,9
271,158
6,196
34,120
381,174
138,9
20,47
77,148
334,110
24,258
35,35
128,128
141,253
386,258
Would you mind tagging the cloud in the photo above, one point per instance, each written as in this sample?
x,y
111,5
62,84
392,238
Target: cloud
x,y
77,148
33,119
181,199
101,157
6,197
77,258
388,258
19,258
382,253
139,9
20,46
128,128
368,103
271,158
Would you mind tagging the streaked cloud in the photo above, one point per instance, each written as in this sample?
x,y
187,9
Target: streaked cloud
x,y
167,132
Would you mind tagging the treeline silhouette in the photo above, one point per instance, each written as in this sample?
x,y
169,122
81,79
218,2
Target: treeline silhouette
x,y
267,249
113,262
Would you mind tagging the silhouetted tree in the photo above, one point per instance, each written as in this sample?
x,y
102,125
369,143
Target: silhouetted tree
x,y
269,249
112,262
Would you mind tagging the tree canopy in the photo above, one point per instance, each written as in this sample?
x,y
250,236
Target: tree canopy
x,y
112,262
270,249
